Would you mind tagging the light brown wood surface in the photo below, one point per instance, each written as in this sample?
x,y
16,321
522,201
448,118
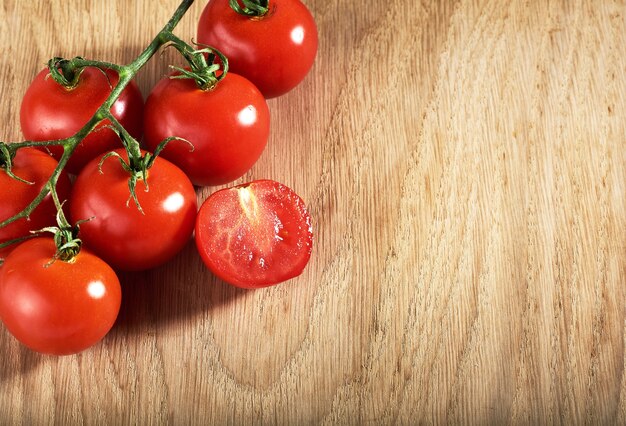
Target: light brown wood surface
x,y
465,165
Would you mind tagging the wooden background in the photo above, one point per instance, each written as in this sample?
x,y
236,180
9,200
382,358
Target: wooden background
x,y
465,165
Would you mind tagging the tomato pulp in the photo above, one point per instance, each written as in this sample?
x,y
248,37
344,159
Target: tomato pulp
x,y
255,235
58,307
50,111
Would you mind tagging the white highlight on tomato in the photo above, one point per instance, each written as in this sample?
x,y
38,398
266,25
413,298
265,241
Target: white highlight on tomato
x,y
118,109
174,202
247,116
96,289
26,305
297,34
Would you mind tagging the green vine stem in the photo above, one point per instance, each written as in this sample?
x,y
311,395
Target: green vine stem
x,y
67,72
252,8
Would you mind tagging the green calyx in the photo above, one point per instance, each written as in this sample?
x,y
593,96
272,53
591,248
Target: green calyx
x,y
6,156
252,8
138,163
66,72
6,162
137,167
67,242
65,235
204,70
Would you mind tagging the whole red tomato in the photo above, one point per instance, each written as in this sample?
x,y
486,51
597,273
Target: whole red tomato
x,y
122,235
228,127
274,51
50,111
58,307
35,167
255,235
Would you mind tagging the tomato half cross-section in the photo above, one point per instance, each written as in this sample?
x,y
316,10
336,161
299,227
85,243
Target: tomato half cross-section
x,y
255,235
57,307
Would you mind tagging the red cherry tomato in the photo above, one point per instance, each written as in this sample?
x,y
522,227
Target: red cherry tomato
x,y
228,127
36,167
58,308
254,235
119,232
50,111
275,51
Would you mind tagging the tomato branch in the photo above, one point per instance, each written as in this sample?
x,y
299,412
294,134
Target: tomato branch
x,y
66,71
131,144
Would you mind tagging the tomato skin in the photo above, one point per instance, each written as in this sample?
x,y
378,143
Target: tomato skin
x,y
254,235
275,51
49,111
119,233
228,127
36,167
58,308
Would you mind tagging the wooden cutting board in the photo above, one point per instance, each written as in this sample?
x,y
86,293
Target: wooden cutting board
x,y
465,165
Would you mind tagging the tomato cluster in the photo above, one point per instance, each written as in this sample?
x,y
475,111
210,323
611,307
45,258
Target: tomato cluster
x,y
135,209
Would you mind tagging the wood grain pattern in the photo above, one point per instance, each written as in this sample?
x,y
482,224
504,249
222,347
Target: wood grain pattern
x,y
464,162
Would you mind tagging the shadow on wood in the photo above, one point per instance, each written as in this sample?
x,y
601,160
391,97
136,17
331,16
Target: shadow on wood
x,y
153,300
26,361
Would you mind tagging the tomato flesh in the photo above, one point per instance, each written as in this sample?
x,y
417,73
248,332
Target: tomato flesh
x,y
36,167
58,307
255,235
49,111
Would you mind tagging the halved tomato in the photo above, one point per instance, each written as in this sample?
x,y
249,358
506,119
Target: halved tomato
x,y
255,235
